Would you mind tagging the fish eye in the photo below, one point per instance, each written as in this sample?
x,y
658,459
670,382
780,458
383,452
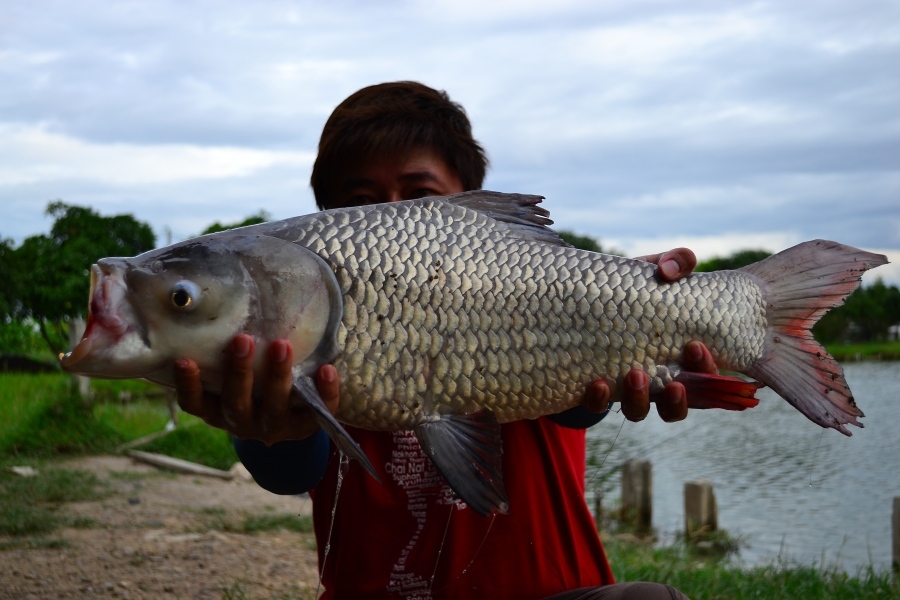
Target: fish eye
x,y
184,295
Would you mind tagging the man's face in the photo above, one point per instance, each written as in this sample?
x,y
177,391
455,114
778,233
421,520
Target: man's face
x,y
418,174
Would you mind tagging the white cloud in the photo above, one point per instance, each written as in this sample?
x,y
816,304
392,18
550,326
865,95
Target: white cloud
x,y
646,123
30,154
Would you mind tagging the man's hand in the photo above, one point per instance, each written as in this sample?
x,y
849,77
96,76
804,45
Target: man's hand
x,y
674,264
671,403
271,418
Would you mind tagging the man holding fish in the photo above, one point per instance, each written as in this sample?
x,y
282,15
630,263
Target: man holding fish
x,y
409,536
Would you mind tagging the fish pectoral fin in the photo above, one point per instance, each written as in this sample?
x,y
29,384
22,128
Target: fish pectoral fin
x,y
306,391
466,450
705,390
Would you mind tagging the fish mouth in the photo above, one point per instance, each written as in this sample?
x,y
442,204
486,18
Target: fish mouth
x,y
106,294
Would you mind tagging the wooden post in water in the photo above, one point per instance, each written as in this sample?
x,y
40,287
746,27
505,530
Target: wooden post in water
x,y
76,330
637,493
895,521
701,515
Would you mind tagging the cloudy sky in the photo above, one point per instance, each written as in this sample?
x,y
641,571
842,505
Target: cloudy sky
x,y
649,124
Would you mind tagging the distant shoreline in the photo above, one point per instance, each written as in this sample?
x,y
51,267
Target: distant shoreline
x,y
865,351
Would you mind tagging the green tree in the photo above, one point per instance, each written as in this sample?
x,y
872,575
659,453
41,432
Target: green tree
x,y
8,275
736,260
869,312
260,217
50,273
584,242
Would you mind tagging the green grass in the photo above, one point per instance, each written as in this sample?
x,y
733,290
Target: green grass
x,y
196,442
41,417
62,426
278,522
219,520
22,396
29,506
237,590
702,578
869,350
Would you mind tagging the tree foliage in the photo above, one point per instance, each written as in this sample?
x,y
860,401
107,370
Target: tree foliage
x,y
738,259
584,242
866,316
47,278
260,217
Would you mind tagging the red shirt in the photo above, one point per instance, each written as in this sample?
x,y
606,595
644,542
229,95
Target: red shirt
x,y
410,538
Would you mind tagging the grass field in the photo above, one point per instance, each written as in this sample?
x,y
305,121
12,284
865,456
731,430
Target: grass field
x,y
41,418
867,351
709,579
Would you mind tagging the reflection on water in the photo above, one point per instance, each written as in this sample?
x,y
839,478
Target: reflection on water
x,y
782,482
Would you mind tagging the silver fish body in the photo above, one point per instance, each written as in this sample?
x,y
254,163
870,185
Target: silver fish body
x,y
451,315
448,310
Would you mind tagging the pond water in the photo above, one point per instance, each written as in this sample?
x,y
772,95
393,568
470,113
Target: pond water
x,y
786,486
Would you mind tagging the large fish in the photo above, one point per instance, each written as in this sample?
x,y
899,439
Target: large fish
x,y
451,315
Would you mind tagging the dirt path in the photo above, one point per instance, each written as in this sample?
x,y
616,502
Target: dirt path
x,y
161,535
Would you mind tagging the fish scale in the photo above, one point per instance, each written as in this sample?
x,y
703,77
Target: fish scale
x,y
448,311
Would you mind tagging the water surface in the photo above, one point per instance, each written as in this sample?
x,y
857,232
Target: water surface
x,y
788,487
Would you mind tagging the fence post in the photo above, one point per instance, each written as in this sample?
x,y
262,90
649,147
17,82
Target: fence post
x,y
895,521
76,330
701,515
637,493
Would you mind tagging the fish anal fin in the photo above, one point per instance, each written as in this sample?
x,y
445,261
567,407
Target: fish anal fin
x,y
305,390
466,450
705,390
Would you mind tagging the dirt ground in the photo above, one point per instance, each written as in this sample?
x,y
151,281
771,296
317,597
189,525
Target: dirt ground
x,y
156,536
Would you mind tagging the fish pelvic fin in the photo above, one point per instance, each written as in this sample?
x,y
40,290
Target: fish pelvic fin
x,y
800,285
718,391
305,391
466,450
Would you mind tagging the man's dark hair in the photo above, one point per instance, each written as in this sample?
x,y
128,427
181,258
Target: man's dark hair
x,y
391,119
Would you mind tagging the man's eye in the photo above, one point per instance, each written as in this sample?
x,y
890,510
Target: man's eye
x,y
359,200
421,193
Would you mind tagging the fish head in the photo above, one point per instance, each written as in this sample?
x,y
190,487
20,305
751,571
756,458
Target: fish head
x,y
190,299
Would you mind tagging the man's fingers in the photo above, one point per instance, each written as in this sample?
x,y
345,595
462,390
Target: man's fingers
x,y
237,387
328,386
697,358
188,387
674,264
636,398
672,403
274,413
596,397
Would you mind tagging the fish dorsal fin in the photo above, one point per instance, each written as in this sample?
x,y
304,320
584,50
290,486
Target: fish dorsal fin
x,y
466,450
519,212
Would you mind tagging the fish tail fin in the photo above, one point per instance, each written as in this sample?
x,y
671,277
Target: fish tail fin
x,y
800,285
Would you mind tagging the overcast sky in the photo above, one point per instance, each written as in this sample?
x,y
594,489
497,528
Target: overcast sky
x,y
714,125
